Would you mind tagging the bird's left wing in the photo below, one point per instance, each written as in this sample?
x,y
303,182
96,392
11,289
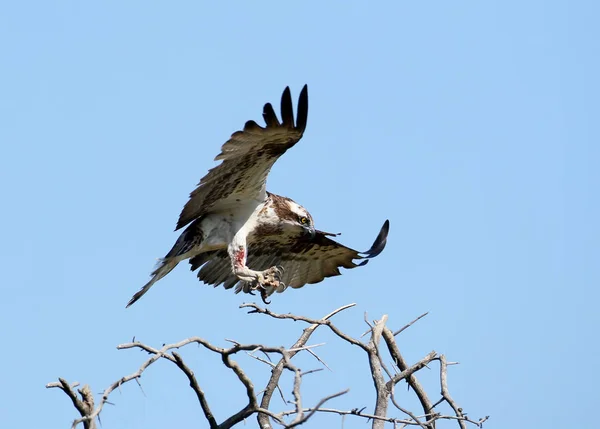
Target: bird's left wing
x,y
305,261
247,159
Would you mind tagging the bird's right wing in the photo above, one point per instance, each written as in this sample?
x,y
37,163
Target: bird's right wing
x,y
247,159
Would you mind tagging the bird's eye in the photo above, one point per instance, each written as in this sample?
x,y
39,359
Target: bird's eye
x,y
303,220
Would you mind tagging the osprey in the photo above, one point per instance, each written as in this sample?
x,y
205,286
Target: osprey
x,y
240,235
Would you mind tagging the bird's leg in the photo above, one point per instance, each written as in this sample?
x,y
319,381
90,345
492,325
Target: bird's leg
x,y
267,281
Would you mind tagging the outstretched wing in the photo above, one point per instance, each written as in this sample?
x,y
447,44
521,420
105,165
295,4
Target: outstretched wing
x,y
247,158
304,260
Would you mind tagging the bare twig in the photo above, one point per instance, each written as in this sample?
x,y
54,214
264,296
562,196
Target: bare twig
x,y
390,341
263,420
359,413
446,395
408,325
315,409
271,364
319,359
92,415
353,412
196,388
405,411
324,321
412,369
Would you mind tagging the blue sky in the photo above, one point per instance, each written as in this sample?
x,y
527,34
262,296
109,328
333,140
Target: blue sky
x,y
470,125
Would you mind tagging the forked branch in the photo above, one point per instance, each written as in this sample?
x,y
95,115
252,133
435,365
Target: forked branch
x,y
384,379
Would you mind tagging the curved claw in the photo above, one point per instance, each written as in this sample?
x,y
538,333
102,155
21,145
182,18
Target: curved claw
x,y
280,268
263,296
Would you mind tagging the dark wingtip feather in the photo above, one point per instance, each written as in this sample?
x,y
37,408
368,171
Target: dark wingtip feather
x,y
270,116
250,126
182,221
133,300
380,241
287,111
302,109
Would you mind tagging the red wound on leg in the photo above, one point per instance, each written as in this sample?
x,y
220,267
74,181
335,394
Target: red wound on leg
x,y
240,257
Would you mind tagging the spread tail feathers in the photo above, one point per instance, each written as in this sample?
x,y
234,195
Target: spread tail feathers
x,y
164,268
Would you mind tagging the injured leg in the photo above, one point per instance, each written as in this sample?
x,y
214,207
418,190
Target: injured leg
x,y
267,281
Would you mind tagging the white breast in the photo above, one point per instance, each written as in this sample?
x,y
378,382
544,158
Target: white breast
x,y
220,228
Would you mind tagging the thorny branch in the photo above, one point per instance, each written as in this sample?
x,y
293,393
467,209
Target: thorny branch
x,y
384,380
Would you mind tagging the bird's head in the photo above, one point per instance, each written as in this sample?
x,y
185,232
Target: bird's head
x,y
299,218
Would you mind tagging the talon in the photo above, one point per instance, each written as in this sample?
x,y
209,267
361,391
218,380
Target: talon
x,y
258,286
263,296
280,268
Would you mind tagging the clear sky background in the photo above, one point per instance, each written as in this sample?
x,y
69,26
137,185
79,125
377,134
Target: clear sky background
x,y
471,125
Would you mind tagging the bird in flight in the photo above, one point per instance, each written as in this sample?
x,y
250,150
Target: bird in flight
x,y
241,235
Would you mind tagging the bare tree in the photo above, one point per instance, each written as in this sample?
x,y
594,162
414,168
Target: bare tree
x,y
385,379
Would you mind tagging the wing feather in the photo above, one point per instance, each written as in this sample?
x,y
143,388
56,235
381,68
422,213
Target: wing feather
x,y
270,116
302,110
247,158
287,112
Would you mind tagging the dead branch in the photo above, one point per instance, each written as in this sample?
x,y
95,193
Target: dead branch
x,y
263,419
390,341
408,325
384,380
324,321
85,405
196,388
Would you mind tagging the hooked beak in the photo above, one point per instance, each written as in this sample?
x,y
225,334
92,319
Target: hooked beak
x,y
310,231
